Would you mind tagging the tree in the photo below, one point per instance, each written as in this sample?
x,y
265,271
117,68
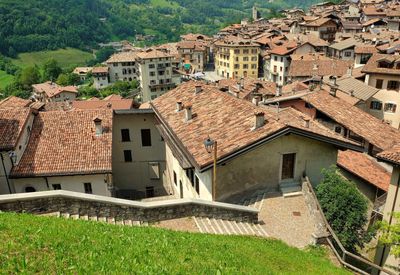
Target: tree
x,y
390,235
51,70
68,79
344,207
29,76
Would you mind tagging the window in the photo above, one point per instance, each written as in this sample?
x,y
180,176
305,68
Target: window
x,y
154,170
237,66
245,66
146,137
88,188
128,155
280,68
288,161
246,51
347,54
237,51
125,135
152,66
29,189
175,178
253,66
254,58
379,83
246,58
190,175
197,185
115,64
393,85
254,51
275,58
56,186
149,191
338,129
375,105
152,73
390,107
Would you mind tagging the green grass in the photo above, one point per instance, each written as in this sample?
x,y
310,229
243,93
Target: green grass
x,y
66,58
5,79
47,245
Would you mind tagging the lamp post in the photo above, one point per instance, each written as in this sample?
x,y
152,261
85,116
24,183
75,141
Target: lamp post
x,y
211,146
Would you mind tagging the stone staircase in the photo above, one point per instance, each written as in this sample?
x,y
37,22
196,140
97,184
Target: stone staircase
x,y
109,220
227,227
256,201
290,189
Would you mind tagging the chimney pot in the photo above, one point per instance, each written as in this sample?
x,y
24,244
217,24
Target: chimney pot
x,y
256,100
259,120
188,112
352,93
98,126
306,122
179,106
197,89
242,82
278,90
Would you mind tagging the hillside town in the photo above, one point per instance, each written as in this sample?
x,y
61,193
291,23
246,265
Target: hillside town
x,y
248,117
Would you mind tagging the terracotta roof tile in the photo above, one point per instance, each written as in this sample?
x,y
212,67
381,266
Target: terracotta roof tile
x,y
372,64
13,101
12,121
65,143
391,155
365,167
52,89
365,125
319,65
224,118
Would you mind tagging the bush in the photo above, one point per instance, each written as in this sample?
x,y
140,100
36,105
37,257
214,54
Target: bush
x,y
345,208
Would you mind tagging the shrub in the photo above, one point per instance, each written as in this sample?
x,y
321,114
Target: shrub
x,y
345,208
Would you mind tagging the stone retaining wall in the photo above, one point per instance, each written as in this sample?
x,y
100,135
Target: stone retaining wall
x,y
321,231
92,205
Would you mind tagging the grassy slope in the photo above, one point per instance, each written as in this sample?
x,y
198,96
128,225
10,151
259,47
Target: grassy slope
x,y
5,79
53,245
65,57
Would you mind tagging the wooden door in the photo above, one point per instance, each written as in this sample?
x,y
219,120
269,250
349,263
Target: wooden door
x,y
288,161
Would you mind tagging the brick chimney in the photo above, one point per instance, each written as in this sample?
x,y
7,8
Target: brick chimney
x,y
306,122
179,106
98,126
197,89
259,120
188,112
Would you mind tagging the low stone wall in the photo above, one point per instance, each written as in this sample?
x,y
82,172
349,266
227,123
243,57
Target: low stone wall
x,y
321,231
92,205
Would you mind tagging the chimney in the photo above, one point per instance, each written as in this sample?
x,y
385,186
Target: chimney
x,y
197,89
306,122
349,71
256,100
352,93
242,82
179,106
259,120
236,94
98,126
334,86
278,90
188,112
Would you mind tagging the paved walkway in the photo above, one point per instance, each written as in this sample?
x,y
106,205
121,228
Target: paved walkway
x,y
287,219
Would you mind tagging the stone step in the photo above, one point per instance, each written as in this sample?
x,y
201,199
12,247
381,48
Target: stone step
x,y
216,226
51,214
66,215
211,227
93,218
290,189
289,184
252,201
84,217
111,220
260,201
102,219
75,216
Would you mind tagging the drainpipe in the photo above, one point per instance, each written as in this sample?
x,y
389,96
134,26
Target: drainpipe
x,y
391,218
47,183
5,172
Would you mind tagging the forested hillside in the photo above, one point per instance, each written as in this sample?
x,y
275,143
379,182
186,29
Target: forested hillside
x,y
33,25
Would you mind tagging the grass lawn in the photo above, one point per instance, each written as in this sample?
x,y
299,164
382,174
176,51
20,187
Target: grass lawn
x,y
5,79
65,57
48,245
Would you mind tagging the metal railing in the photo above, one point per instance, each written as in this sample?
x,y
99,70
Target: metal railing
x,y
346,258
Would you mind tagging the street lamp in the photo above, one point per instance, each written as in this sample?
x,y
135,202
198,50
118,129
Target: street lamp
x,y
211,146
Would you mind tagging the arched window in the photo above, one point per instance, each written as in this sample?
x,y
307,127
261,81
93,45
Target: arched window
x,y
30,189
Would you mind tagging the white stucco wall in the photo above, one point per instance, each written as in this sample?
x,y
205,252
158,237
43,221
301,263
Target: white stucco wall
x,y
70,183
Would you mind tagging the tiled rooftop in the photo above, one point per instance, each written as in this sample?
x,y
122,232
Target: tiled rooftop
x,y
12,121
224,118
65,143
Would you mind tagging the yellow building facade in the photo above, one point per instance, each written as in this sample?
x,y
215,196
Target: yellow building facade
x,y
236,60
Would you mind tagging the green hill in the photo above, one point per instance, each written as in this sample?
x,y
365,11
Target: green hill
x,y
48,245
36,25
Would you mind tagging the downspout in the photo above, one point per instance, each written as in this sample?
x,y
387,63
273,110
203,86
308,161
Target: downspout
x,y
5,173
47,183
391,218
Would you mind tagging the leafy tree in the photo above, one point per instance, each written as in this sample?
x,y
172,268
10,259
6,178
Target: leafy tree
x,y
51,70
390,235
345,208
28,76
68,79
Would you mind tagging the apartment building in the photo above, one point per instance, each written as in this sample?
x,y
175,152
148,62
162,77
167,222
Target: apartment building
x,y
236,58
193,55
122,66
156,73
324,27
383,72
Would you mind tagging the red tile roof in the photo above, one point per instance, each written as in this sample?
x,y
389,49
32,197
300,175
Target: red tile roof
x,y
12,121
121,104
315,64
365,167
365,125
391,155
51,89
65,143
224,118
372,65
13,101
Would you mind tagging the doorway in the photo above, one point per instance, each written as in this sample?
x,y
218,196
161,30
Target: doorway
x,y
288,162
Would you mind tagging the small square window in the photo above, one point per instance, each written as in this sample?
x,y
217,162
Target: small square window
x,y
56,186
88,188
125,135
128,155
